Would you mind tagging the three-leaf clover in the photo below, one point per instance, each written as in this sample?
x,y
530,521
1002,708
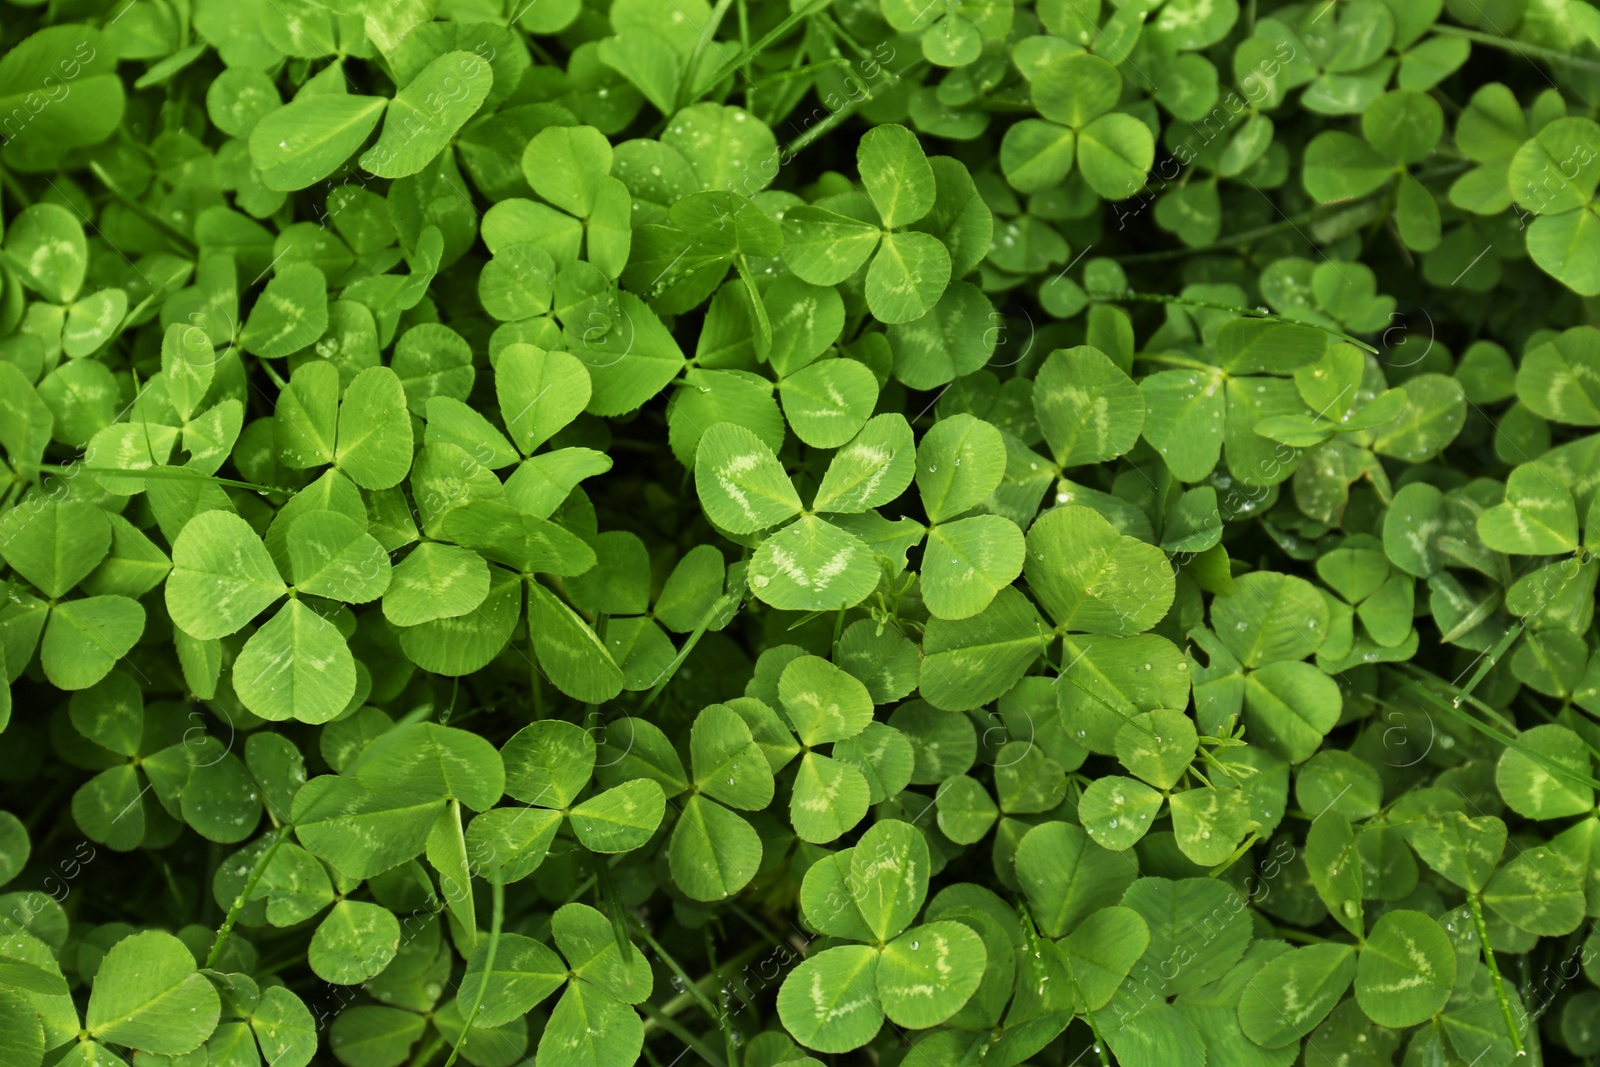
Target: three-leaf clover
x,y
909,268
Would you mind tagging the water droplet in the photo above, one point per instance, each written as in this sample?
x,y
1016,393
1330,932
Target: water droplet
x,y
1113,824
932,468
916,945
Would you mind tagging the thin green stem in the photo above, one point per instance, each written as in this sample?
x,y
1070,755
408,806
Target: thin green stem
x,y
171,882
690,985
1249,842
1241,238
429,1049
1544,761
1253,313
686,91
1169,360
730,1040
1427,678
271,372
654,1014
683,1000
1494,973
244,895
1549,55
1489,660
9,181
798,72
1099,1042
755,923
683,653
498,895
614,908
890,80
838,34
174,234
746,54
182,473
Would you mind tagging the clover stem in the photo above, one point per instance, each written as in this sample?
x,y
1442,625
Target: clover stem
x,y
1249,843
171,232
614,908
745,54
1099,1042
429,1049
684,999
1175,361
757,925
1550,55
1489,660
170,473
244,895
654,1014
686,89
497,919
744,24
1240,238
690,986
683,653
838,33
9,181
1254,313
729,1038
536,686
450,708
890,80
271,372
797,72
1494,973
1510,741
172,883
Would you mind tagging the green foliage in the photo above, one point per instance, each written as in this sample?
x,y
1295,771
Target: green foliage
x,y
589,532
